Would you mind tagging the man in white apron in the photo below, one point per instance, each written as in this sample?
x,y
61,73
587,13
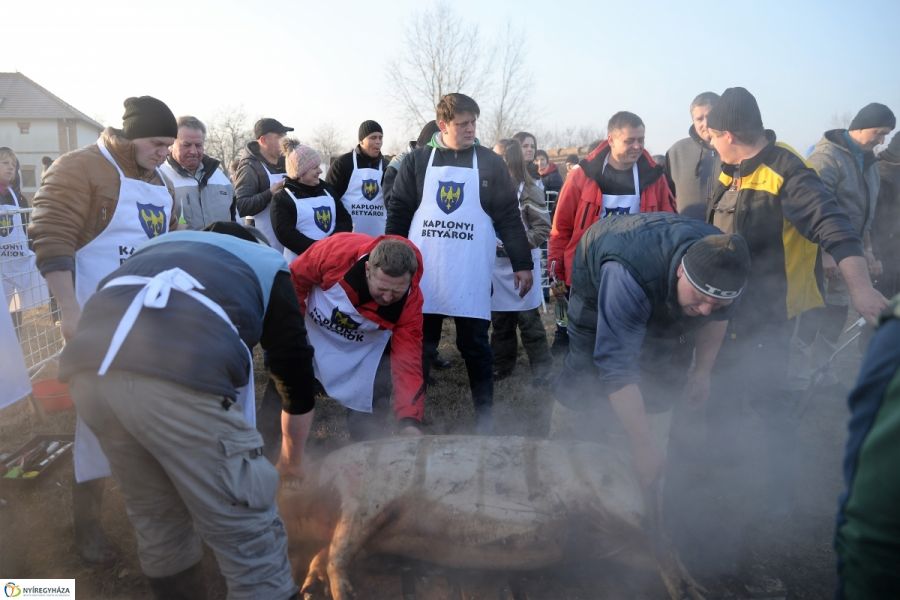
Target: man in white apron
x,y
618,177
260,175
363,307
94,207
356,178
453,199
160,369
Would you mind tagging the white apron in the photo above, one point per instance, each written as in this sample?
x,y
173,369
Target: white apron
x,y
263,219
142,212
505,297
348,347
22,283
457,241
315,218
364,200
626,204
13,373
155,293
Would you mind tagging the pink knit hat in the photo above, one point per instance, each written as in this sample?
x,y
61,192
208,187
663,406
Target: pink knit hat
x,y
306,157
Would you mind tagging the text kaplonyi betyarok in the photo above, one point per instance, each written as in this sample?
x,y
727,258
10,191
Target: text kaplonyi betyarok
x,y
454,230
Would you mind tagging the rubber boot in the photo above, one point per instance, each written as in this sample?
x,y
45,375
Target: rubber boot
x,y
90,541
186,585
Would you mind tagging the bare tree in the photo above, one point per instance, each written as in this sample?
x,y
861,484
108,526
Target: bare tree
x,y
841,120
571,137
511,101
327,141
442,54
226,134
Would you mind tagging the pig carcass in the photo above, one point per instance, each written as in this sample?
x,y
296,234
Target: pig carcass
x,y
505,503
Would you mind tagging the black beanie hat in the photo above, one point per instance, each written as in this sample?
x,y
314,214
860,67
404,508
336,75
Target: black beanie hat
x,y
246,233
367,128
148,117
736,110
431,128
873,115
717,265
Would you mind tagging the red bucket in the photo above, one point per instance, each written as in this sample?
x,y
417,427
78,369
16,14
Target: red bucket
x,y
52,395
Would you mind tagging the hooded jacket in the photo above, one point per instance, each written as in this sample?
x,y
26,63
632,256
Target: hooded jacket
x,y
855,188
580,204
340,260
200,202
692,167
551,178
78,197
251,180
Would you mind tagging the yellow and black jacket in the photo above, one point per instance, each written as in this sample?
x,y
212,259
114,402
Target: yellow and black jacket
x,y
783,210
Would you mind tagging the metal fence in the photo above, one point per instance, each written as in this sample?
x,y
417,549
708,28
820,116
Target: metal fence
x,y
34,315
545,279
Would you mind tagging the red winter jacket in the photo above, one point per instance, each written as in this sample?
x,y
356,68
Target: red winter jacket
x,y
330,261
580,205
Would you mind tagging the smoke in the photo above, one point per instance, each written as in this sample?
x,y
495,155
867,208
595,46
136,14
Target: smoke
x,y
751,481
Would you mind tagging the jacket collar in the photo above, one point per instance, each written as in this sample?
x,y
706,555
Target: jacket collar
x,y
305,191
209,164
751,164
123,151
699,140
355,280
253,149
648,170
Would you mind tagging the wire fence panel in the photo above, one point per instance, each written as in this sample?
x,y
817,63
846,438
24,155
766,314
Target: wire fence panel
x,y
34,314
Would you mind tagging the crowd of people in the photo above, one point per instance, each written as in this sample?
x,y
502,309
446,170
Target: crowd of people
x,y
690,275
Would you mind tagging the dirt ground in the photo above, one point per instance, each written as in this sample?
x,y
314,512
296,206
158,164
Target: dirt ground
x,y
785,555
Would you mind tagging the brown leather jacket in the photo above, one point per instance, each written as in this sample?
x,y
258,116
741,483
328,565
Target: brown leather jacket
x,y
78,197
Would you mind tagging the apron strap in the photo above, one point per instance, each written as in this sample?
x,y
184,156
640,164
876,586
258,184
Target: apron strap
x,y
155,294
474,158
105,152
637,181
634,175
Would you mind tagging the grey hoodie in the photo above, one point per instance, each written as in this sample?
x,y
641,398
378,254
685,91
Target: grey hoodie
x,y
692,168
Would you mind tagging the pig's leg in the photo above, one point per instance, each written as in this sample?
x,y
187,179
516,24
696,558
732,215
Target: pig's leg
x,y
678,582
350,536
317,572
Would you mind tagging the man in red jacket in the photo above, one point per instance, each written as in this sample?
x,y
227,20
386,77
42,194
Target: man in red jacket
x,y
363,308
618,177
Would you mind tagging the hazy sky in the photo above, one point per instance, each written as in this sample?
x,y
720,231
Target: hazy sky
x,y
310,63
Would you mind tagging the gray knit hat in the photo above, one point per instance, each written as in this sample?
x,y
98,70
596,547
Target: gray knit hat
x,y
873,115
717,265
736,110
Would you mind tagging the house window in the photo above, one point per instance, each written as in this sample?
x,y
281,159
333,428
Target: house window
x,y
28,177
24,126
